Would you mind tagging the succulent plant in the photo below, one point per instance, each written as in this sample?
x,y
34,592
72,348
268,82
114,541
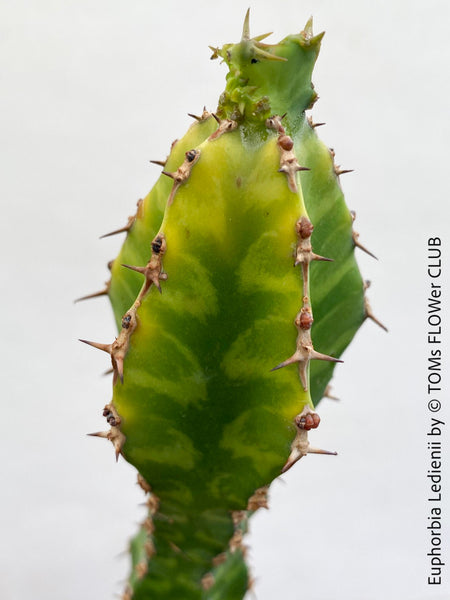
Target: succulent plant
x,y
229,323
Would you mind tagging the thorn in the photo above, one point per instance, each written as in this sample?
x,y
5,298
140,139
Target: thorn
x,y
300,446
355,237
303,257
294,457
307,32
264,54
339,171
151,275
116,350
161,163
153,269
290,166
379,323
370,315
123,229
257,46
320,451
119,366
263,36
101,434
123,553
103,292
274,122
304,353
215,52
319,356
133,268
303,374
317,38
105,347
118,440
322,258
290,361
327,394
314,125
225,126
285,169
205,115
246,28
183,172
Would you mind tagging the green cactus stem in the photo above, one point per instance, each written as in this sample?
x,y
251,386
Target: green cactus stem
x,y
230,323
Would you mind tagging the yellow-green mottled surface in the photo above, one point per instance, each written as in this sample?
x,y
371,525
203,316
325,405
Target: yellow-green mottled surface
x,y
198,381
206,421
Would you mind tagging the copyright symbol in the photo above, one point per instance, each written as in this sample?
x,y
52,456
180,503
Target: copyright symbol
x,y
434,406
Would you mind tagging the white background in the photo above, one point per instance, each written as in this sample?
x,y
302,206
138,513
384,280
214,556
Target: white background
x,y
90,91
